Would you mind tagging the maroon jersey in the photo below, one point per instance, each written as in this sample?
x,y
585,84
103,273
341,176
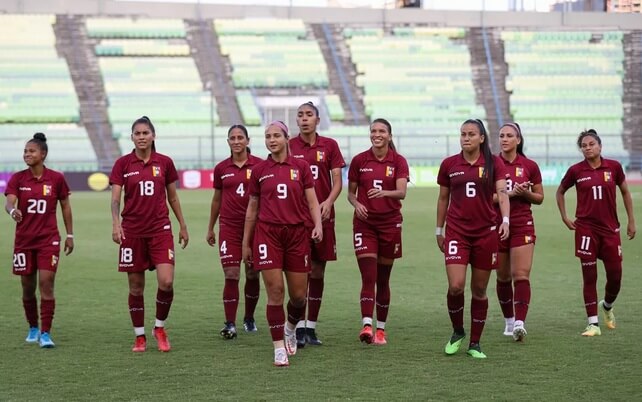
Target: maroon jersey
x,y
233,183
322,157
595,188
369,172
470,209
145,213
37,200
280,189
519,171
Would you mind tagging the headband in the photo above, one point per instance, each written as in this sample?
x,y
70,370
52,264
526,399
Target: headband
x,y
513,125
280,125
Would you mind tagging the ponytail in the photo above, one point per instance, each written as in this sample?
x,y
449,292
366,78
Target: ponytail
x,y
148,122
244,130
489,159
518,130
386,123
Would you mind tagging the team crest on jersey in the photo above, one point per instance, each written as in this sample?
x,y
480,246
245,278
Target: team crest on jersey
x,y
481,172
320,156
170,254
156,171
46,189
390,171
519,172
54,260
294,174
607,176
248,173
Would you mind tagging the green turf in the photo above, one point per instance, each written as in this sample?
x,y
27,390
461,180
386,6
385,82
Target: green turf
x,y
92,359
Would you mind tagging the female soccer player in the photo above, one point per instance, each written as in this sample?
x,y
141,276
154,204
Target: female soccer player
x,y
37,243
524,187
467,183
377,182
145,234
597,229
283,201
325,159
231,179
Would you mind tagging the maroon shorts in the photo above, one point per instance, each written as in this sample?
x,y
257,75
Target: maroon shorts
x,y
327,249
281,246
382,239
480,252
26,262
520,235
591,245
230,239
138,254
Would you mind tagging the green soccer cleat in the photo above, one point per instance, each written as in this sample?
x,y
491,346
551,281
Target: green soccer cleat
x,y
454,343
474,351
592,330
608,316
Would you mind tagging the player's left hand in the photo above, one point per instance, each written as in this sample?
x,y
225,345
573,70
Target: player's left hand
x,y
69,246
183,237
630,230
317,234
504,231
325,208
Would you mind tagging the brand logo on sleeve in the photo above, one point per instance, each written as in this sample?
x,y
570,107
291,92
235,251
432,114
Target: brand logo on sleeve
x,y
320,156
170,254
390,171
248,173
294,174
528,239
156,171
607,176
519,172
46,190
54,261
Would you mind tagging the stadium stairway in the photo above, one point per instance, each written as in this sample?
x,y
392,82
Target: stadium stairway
x,y
342,72
632,98
214,69
490,84
74,44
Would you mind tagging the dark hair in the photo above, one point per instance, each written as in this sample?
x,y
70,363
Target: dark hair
x,y
588,133
489,160
389,126
244,130
41,141
146,120
518,129
310,104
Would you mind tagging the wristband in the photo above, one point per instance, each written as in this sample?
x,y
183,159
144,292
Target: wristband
x,y
505,220
70,236
11,212
439,231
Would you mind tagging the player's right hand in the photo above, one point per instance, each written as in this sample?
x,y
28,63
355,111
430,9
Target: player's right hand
x,y
17,215
569,223
440,242
117,234
210,238
246,255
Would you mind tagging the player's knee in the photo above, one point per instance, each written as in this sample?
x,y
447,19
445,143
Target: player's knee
x,y
298,300
232,273
456,289
478,292
275,294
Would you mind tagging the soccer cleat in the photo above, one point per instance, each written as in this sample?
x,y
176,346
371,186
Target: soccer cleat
x,y
366,334
311,337
140,344
249,325
592,330
454,343
45,341
291,343
609,317
508,329
161,338
519,332
300,337
33,335
281,358
474,351
380,337
229,330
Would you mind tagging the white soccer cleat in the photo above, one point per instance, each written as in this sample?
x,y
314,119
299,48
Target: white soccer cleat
x,y
281,358
519,332
290,343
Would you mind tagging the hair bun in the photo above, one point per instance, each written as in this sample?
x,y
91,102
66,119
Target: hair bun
x,y
145,118
40,137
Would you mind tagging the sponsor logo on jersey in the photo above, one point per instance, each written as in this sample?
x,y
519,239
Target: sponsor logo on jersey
x,y
583,179
519,172
54,260
24,188
294,174
267,176
320,156
298,156
225,176
390,171
453,174
481,172
156,171
170,254
607,176
365,170
131,174
248,173
46,189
